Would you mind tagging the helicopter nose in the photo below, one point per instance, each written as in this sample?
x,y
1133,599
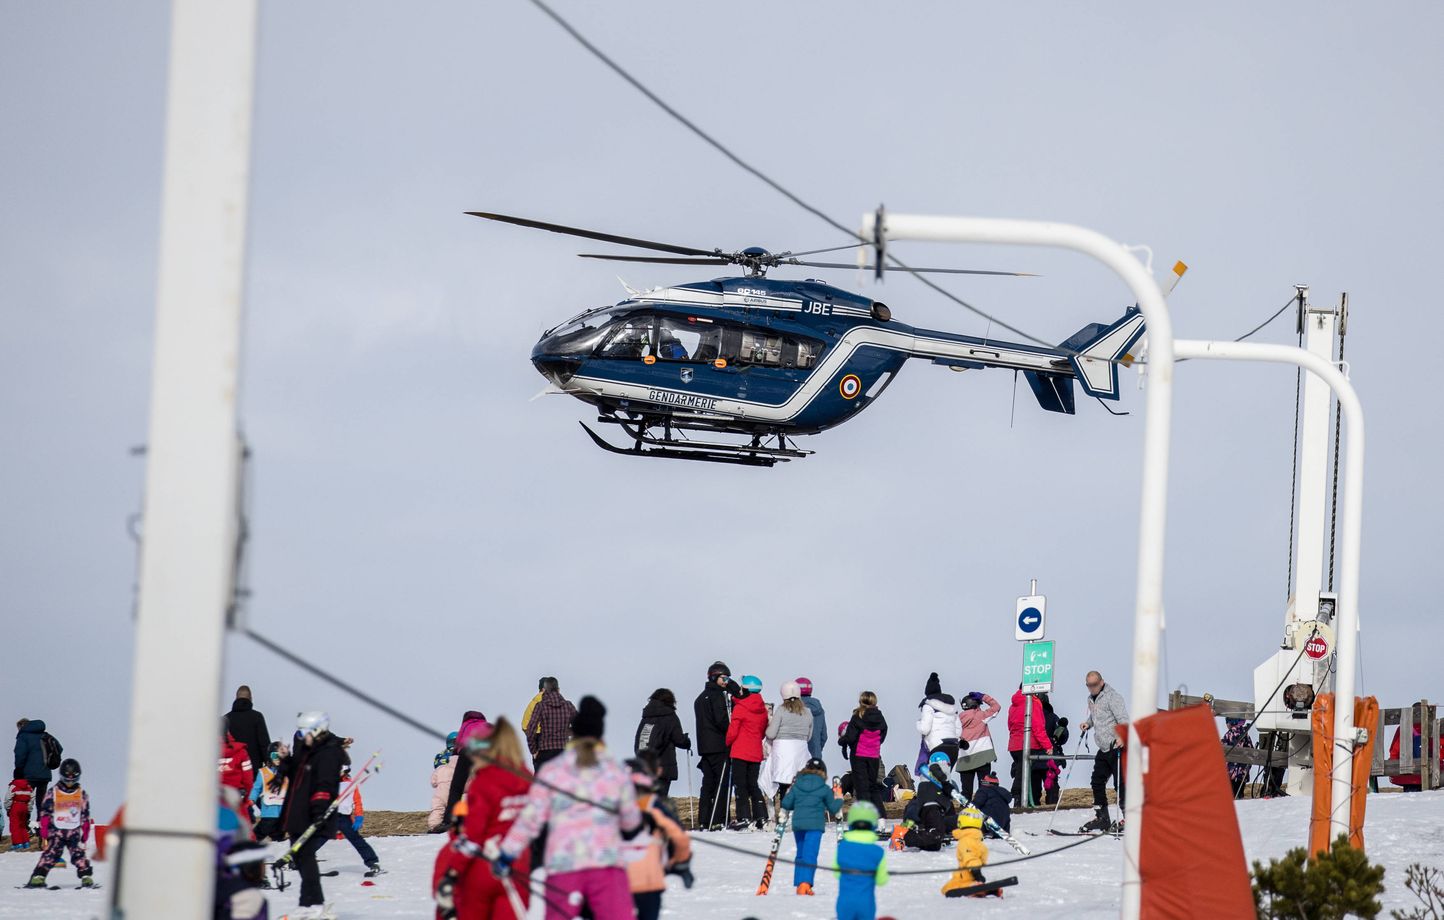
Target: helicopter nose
x,y
556,368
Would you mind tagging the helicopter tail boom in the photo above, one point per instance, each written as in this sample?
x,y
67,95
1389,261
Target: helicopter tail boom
x,y
1096,350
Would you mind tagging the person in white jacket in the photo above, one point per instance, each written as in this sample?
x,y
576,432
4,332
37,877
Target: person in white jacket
x,y
938,722
443,766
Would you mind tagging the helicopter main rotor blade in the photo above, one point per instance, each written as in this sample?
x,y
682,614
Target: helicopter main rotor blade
x,y
594,235
655,260
943,271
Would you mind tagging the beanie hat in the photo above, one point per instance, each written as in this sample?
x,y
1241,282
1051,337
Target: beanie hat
x,y
589,722
791,691
719,669
805,686
933,685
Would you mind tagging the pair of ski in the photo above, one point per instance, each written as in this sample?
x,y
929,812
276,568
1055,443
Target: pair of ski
x,y
58,887
369,769
1108,833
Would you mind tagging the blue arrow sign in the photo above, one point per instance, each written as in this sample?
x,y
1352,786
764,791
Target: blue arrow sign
x,y
1030,620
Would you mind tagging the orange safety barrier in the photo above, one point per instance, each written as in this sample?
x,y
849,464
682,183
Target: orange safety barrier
x,y
1366,716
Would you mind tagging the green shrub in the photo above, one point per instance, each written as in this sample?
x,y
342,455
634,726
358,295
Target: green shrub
x,y
1339,883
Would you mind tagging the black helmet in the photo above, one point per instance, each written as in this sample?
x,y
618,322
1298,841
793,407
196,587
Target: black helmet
x,y
70,769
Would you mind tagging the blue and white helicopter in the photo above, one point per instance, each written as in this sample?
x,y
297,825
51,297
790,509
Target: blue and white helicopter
x,y
772,360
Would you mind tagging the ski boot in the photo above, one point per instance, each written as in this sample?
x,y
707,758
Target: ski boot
x,y
1100,822
740,825
36,881
87,882
373,869
895,842
760,824
805,889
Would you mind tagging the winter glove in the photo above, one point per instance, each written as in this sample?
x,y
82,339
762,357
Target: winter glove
x,y
85,832
686,744
360,820
445,895
734,688
683,870
501,866
45,827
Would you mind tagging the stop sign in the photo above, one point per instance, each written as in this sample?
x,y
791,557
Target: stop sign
x,y
1317,647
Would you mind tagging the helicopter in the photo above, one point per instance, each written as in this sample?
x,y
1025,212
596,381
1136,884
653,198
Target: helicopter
x,y
772,360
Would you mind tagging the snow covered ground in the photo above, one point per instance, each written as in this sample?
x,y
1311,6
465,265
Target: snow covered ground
x,y
1082,882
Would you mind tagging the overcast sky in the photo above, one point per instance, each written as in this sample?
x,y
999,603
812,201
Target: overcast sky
x,y
424,530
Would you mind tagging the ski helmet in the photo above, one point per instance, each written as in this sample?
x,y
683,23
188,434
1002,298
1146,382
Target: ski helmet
x,y
815,765
790,690
451,741
862,816
751,683
477,738
804,685
70,769
940,757
312,722
970,817
718,669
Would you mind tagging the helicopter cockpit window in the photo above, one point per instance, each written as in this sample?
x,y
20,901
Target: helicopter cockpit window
x,y
688,339
582,334
630,338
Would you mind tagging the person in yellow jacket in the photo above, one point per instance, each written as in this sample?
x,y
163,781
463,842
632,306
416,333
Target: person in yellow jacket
x,y
972,854
541,686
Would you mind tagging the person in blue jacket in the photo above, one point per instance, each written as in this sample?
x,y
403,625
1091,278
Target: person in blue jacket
x,y
30,758
810,800
818,742
861,863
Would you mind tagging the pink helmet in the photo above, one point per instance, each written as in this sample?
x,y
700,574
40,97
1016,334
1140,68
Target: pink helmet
x,y
474,730
804,685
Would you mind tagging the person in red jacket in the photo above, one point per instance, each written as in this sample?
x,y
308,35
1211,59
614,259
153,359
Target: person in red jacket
x,y
1040,744
235,766
744,742
462,881
17,805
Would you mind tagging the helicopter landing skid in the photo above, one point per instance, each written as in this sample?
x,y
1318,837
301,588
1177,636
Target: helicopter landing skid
x,y
646,445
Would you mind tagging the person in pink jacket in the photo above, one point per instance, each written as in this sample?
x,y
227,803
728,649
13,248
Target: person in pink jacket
x,y
1040,744
976,762
442,769
584,843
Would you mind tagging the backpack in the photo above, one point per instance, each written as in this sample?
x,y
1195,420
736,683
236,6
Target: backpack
x,y
51,750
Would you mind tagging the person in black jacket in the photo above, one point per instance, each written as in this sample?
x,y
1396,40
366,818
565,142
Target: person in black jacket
x,y
862,741
995,802
248,726
712,756
660,733
314,771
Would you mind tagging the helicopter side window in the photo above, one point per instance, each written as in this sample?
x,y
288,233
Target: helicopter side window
x,y
631,339
760,347
687,339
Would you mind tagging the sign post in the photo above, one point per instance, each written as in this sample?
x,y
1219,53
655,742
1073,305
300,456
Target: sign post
x,y
1029,626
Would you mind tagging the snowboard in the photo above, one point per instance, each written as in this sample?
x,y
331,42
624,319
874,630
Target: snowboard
x,y
986,888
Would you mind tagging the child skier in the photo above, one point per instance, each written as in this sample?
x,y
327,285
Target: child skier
x,y
931,810
810,800
64,825
353,815
972,856
662,849
17,806
234,765
995,801
268,794
861,864
443,767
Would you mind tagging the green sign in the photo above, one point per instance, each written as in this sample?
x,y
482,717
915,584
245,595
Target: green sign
x,y
1038,667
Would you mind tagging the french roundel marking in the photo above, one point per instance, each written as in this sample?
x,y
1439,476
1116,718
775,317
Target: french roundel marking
x,y
850,386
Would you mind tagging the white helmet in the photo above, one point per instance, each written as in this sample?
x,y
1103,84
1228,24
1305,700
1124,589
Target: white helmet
x,y
791,690
313,722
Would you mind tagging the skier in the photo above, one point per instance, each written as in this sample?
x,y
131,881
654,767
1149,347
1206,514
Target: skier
x,y
994,801
711,711
248,726
1036,743
978,709
866,731
236,769
660,734
817,744
443,767
931,810
64,825
549,729
470,721
789,729
352,816
744,744
463,882
861,864
240,880
938,722
1057,731
662,849
584,842
268,794
541,689
36,754
811,800
17,807
313,776
972,854
1107,716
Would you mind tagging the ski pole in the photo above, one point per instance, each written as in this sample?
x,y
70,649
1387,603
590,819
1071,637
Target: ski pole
x,y
367,771
990,824
695,803
513,897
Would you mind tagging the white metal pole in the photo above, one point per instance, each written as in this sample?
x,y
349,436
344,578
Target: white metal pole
x,y
167,865
1153,511
1347,614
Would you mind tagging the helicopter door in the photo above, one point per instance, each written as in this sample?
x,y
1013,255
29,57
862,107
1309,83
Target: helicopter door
x,y
633,339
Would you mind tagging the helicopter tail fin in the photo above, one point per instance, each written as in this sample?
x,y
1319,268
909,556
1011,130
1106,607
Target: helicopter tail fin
x,y
1096,350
